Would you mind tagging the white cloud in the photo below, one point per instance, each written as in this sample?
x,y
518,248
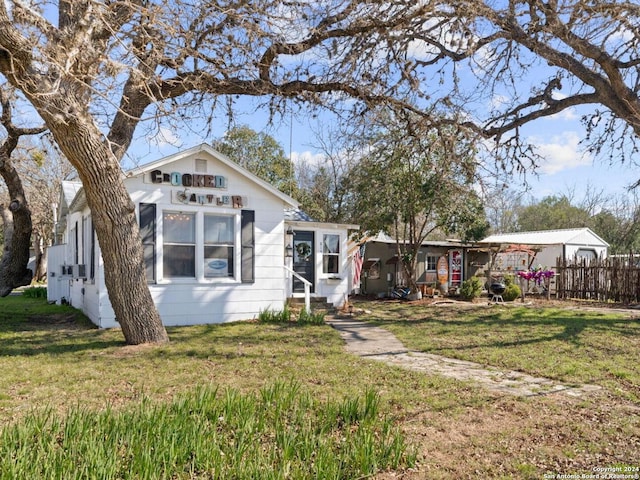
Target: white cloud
x,y
165,136
568,114
562,152
498,101
621,35
308,157
421,50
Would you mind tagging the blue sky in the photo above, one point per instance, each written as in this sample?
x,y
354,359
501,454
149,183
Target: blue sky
x,y
566,167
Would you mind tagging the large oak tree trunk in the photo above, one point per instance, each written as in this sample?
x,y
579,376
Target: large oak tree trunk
x,y
114,219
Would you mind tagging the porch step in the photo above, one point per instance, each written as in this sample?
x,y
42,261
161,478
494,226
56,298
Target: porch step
x,y
316,302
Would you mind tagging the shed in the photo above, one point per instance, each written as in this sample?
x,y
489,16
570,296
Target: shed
x,y
551,244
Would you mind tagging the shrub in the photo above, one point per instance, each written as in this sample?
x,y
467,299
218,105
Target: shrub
x,y
511,292
35,292
311,318
272,316
471,288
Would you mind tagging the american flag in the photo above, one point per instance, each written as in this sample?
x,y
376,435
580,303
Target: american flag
x,y
358,259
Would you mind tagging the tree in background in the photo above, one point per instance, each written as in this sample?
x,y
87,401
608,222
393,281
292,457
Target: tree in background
x,y
43,169
615,219
412,183
502,204
261,154
552,213
16,215
324,191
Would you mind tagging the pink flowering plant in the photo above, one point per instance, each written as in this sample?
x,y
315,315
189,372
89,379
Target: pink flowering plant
x,y
538,275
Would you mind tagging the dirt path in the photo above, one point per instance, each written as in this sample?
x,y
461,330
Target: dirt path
x,y
377,343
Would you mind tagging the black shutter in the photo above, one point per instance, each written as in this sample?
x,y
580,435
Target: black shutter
x,y
76,245
92,255
247,240
148,234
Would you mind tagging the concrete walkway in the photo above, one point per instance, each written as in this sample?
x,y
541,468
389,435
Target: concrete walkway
x,y
377,343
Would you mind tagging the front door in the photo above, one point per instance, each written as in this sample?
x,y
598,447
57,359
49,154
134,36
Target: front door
x,y
303,260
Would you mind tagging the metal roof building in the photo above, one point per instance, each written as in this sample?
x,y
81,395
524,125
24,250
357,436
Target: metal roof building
x,y
573,236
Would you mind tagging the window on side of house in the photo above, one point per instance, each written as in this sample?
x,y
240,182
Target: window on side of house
x,y
331,253
92,256
431,263
179,244
219,239
148,234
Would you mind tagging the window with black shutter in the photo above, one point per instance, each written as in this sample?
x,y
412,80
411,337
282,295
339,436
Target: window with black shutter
x,y
148,234
247,264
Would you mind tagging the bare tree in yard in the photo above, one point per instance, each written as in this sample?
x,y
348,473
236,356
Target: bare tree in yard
x,y
16,216
42,171
324,191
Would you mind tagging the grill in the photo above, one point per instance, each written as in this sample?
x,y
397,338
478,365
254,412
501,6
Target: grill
x,y
496,289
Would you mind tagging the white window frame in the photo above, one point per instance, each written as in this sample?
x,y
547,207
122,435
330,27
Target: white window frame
x,y
165,243
435,263
200,245
233,245
337,254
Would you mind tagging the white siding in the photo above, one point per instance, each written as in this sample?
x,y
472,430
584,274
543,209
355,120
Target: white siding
x,y
547,256
200,300
335,287
57,281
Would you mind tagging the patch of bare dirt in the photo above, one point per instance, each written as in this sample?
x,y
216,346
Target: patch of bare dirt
x,y
67,321
514,438
127,351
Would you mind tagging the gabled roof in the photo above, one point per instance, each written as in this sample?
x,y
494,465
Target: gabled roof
x,y
207,149
297,215
570,236
68,192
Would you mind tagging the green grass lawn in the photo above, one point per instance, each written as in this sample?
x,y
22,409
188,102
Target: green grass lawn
x,y
79,386
569,345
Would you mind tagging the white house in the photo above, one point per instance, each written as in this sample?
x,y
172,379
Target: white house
x,y
215,243
322,254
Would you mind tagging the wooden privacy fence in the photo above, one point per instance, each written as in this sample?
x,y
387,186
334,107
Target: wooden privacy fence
x,y
614,279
